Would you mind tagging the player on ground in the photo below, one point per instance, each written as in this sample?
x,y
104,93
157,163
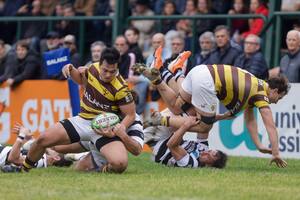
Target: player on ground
x,y
12,157
174,151
235,88
105,91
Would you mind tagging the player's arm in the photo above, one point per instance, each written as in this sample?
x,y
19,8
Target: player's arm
x,y
174,142
131,145
128,111
24,135
251,125
15,156
77,75
267,117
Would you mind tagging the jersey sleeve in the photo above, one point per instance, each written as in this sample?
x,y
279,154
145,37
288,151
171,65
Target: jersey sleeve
x,y
189,160
123,96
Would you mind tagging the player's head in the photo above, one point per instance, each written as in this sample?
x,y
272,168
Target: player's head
x,y
58,161
213,158
109,64
278,88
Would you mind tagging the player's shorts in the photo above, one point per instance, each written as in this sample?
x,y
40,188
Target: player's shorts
x,y
80,129
200,85
97,158
4,151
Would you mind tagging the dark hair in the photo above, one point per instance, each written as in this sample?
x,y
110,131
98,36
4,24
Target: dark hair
x,y
122,36
110,55
221,161
135,30
222,27
279,82
23,43
62,162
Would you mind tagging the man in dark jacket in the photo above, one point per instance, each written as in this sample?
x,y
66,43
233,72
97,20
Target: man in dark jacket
x,y
23,65
226,52
252,59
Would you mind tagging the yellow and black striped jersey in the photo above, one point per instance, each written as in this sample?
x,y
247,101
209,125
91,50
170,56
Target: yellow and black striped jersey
x,y
237,89
100,96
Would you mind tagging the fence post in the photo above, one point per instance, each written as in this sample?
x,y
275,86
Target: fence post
x,y
119,18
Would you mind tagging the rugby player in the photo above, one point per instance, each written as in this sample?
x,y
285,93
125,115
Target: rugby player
x,y
174,151
105,91
12,157
237,89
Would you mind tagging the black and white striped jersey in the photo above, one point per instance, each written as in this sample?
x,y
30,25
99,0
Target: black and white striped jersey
x,y
4,153
161,153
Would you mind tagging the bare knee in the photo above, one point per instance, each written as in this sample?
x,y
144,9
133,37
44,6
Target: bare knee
x,y
41,141
119,166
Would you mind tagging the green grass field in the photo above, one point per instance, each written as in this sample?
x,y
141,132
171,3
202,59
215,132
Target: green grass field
x,y
244,178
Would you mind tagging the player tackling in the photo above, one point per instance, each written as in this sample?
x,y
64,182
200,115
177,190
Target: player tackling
x,y
237,89
105,91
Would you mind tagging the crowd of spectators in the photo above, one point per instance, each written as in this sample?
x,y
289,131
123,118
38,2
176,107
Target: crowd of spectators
x,y
240,45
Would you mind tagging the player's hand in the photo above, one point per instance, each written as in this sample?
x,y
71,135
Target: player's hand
x,y
82,69
279,162
119,130
107,132
22,131
191,121
66,70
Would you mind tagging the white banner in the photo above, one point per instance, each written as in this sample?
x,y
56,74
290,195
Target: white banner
x,y
232,136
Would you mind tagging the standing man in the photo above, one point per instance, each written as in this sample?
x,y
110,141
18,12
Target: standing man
x,y
105,91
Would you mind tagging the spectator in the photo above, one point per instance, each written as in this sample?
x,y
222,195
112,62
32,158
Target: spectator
x,y
85,7
52,42
158,39
238,25
177,47
252,59
290,63
220,7
66,27
159,4
48,7
96,50
207,44
226,51
24,64
70,43
204,8
146,27
121,44
33,30
290,5
4,49
132,36
139,83
256,25
169,9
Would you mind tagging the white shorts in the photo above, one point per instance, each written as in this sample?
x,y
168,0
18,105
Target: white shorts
x,y
79,129
200,85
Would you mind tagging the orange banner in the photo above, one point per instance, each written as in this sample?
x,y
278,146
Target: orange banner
x,y
36,104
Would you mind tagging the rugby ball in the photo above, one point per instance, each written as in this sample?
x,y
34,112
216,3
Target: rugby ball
x,y
104,120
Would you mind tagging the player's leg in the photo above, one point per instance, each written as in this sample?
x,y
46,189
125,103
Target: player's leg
x,y
116,155
69,148
85,164
54,135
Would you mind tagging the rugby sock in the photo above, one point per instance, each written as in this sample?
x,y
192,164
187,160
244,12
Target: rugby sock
x,y
166,76
28,164
178,74
165,121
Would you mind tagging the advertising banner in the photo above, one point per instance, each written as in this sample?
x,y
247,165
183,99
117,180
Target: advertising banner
x,y
36,104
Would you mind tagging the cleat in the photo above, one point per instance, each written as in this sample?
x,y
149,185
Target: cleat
x,y
152,74
179,62
139,68
157,62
